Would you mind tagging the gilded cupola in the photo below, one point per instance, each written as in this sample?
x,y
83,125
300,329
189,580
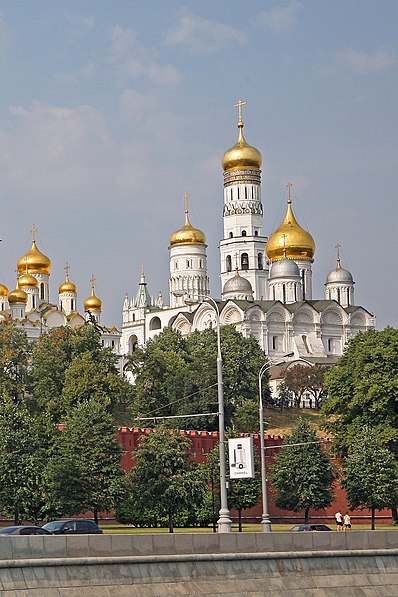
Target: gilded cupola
x,y
92,303
187,235
241,155
17,296
34,260
3,290
67,286
290,240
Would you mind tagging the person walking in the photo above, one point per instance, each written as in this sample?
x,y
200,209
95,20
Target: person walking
x,y
339,521
347,522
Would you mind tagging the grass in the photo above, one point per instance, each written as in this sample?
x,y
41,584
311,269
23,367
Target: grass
x,y
281,422
248,528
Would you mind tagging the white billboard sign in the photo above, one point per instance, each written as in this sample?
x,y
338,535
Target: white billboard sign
x,y
241,461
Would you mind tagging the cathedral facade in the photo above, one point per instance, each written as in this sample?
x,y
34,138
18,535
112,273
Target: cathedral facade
x,y
266,280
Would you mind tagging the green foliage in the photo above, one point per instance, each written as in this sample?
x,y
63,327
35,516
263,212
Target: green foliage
x,y
14,358
305,379
164,482
26,442
362,390
302,475
84,473
370,474
177,376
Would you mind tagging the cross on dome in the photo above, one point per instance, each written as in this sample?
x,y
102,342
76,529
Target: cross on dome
x,y
239,105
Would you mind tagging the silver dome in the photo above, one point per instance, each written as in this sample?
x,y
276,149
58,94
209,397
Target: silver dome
x,y
340,275
284,268
238,284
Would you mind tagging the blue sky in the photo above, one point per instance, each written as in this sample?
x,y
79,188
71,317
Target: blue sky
x,y
111,110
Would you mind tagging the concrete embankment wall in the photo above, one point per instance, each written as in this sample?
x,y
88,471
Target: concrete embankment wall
x,y
352,564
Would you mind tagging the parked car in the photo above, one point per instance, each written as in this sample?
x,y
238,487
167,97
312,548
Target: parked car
x,y
24,530
310,527
72,526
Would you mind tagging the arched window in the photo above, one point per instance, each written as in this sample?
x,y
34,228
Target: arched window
x,y
72,304
133,344
231,234
42,291
260,260
338,296
256,233
244,261
155,324
229,263
284,293
348,297
244,233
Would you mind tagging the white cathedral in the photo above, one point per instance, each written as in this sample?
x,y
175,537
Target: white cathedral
x,y
266,283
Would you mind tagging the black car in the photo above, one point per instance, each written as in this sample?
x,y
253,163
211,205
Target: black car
x,y
310,527
24,530
73,526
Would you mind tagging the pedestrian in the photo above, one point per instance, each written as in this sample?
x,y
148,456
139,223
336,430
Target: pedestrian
x,y
339,521
347,522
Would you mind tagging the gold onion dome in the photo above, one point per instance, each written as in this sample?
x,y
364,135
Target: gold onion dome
x,y
3,290
290,240
67,286
92,303
241,155
17,296
34,261
27,281
187,235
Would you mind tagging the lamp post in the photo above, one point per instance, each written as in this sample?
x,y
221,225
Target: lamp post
x,y
265,519
224,522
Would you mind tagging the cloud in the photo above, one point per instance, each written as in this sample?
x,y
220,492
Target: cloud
x,y
81,24
5,38
381,60
201,35
280,18
132,60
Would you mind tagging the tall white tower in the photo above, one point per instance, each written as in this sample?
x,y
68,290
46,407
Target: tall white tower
x,y
243,240
188,263
291,241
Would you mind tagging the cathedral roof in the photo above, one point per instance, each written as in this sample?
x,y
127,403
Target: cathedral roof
x,y
339,275
241,155
187,235
34,261
290,239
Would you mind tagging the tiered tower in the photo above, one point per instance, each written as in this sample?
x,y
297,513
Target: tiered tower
x,y
243,215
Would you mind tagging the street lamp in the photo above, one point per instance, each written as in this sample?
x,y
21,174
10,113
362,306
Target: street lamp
x,y
265,519
224,522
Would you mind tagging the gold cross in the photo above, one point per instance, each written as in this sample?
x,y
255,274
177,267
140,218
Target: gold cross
x,y
338,247
66,268
26,264
33,231
239,106
186,197
289,189
92,280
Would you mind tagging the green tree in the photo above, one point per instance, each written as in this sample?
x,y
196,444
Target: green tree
x,y
85,473
305,379
362,390
370,474
15,352
302,475
165,480
26,442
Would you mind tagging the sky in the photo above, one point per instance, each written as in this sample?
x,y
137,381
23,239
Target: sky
x,y
110,111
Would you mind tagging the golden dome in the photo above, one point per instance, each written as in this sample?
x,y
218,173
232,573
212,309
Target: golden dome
x,y
27,281
67,286
35,261
290,240
241,155
187,235
3,290
92,303
17,296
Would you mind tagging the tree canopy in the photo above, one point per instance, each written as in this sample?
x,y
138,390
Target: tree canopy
x,y
362,390
302,475
14,359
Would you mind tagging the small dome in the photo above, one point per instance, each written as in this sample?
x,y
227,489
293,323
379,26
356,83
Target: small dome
x,y
241,155
93,303
3,290
284,268
28,281
35,262
339,275
290,240
67,286
187,235
17,297
238,285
